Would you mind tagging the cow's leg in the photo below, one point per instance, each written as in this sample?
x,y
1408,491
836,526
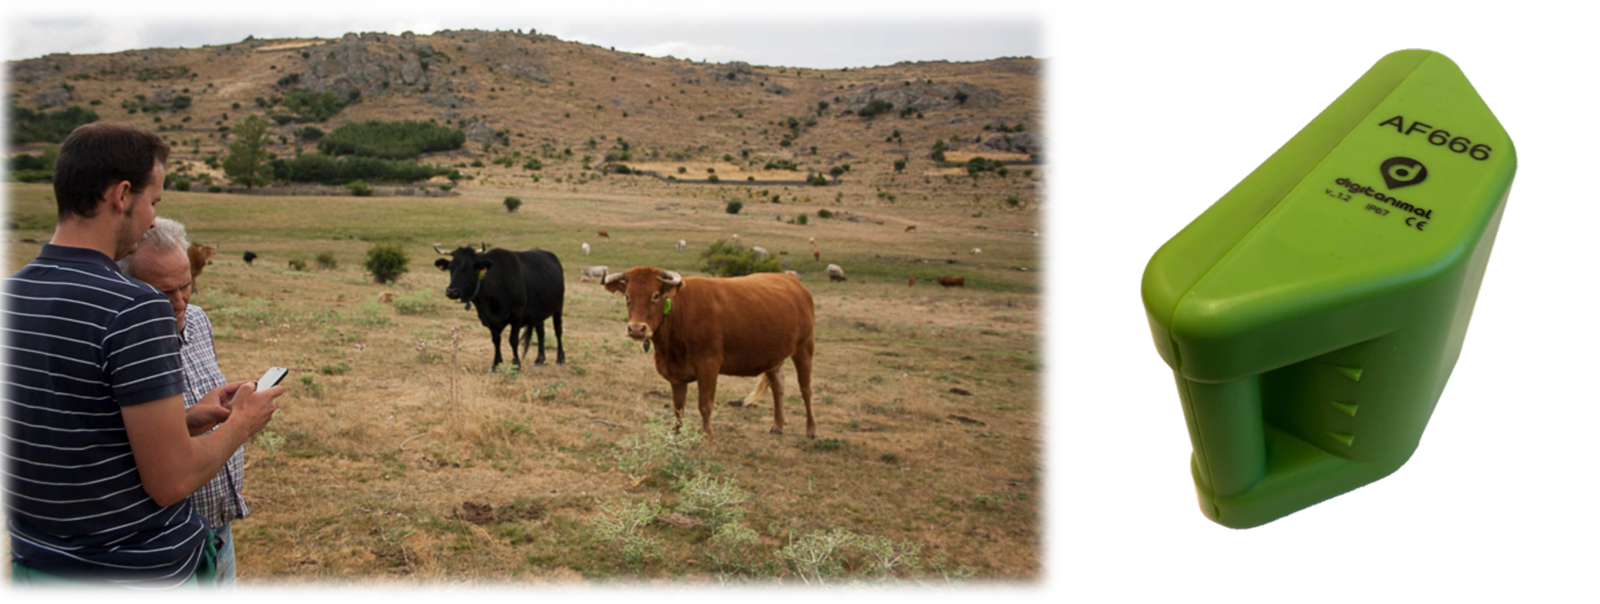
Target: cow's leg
x,y
802,372
680,395
538,328
774,379
707,376
516,359
494,335
561,353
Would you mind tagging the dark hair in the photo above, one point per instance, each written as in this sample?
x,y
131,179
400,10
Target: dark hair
x,y
101,154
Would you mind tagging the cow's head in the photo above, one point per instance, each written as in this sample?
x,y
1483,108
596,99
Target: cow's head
x,y
466,268
649,292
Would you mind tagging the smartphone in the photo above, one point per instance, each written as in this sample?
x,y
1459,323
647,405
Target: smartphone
x,y
271,378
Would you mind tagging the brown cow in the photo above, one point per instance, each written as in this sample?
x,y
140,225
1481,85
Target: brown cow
x,y
605,234
953,281
816,255
911,227
912,282
199,258
702,328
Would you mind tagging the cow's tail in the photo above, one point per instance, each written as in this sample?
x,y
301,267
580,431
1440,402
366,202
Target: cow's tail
x,y
527,336
761,390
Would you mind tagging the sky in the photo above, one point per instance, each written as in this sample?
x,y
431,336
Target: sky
x,y
819,34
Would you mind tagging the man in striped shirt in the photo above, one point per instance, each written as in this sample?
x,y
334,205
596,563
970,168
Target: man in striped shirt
x,y
100,452
162,260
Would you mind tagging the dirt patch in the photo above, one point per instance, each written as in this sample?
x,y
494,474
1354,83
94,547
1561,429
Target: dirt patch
x,y
483,513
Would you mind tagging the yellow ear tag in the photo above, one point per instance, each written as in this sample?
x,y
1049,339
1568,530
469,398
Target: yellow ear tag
x,y
668,309
482,272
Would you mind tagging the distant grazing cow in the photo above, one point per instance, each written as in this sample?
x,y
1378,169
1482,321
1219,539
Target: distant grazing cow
x,y
911,227
1033,232
605,234
761,252
516,289
816,255
682,244
953,281
976,251
703,328
199,259
912,282
250,257
735,236
593,272
813,242
835,272
586,248
386,297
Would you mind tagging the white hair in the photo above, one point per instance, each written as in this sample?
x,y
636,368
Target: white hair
x,y
166,235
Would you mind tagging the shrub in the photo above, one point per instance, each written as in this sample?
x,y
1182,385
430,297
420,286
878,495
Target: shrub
x,y
712,178
181,185
324,169
391,140
386,262
817,179
733,259
28,126
359,189
734,206
824,214
802,219
899,165
325,260
512,204
214,189
877,106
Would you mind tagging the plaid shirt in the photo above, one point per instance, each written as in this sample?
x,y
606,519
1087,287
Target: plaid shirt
x,y
221,500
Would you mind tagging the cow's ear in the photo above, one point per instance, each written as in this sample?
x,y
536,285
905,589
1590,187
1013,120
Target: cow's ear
x,y
484,265
442,263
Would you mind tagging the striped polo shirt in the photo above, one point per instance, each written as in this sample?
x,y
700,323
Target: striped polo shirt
x,y
81,342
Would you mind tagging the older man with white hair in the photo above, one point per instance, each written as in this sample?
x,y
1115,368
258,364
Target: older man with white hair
x,y
162,260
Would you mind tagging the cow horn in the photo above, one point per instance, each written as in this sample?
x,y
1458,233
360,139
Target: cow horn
x,y
483,247
671,278
441,252
614,277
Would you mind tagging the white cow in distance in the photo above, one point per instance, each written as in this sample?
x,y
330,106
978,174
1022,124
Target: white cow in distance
x,y
586,248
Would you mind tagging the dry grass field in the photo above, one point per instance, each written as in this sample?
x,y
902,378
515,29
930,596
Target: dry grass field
x,y
398,456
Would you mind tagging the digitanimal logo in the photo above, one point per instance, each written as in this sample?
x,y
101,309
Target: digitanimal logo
x,y
1403,172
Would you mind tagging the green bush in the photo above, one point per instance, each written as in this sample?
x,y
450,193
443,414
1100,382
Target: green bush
x,y
512,204
386,262
359,189
391,140
817,179
325,260
824,214
324,169
733,259
899,165
802,219
734,206
877,106
28,126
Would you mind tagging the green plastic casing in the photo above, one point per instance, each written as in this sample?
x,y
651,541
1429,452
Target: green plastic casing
x,y
1313,314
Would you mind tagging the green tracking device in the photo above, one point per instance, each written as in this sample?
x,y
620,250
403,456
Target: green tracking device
x,y
1313,314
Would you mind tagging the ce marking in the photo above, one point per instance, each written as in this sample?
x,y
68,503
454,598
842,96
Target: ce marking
x,y
1413,222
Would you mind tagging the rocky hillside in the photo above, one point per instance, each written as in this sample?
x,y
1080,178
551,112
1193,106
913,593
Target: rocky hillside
x,y
532,95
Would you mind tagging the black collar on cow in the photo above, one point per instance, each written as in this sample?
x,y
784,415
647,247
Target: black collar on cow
x,y
475,289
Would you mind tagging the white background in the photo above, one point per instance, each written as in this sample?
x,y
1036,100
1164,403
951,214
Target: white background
x,y
1156,110
1156,113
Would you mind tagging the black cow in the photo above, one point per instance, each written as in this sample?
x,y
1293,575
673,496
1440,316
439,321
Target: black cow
x,y
519,289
